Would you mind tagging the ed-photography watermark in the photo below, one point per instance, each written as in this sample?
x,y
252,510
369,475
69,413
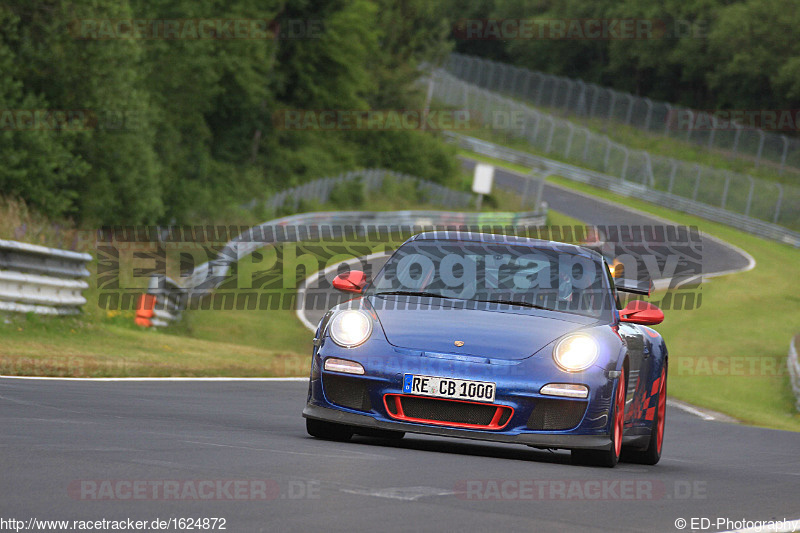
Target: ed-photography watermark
x,y
721,523
262,268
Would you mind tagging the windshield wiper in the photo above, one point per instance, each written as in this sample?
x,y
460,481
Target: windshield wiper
x,y
413,293
517,302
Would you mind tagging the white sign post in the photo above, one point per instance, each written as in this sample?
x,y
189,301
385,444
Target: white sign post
x,y
482,182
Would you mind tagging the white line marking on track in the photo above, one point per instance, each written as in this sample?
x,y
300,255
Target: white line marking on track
x,y
689,409
402,493
154,379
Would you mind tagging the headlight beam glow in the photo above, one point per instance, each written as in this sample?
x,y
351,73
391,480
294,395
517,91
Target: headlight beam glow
x,y
575,352
350,328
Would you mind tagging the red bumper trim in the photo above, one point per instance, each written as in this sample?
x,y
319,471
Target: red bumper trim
x,y
397,413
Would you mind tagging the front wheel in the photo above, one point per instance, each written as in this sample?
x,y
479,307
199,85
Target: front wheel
x,y
652,454
328,430
610,457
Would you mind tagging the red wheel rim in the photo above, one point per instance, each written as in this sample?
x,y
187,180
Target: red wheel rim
x,y
662,409
619,413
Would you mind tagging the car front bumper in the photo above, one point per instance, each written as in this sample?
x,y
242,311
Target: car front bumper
x,y
539,440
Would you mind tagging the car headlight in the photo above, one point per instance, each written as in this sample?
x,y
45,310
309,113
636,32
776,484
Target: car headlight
x,y
350,328
576,352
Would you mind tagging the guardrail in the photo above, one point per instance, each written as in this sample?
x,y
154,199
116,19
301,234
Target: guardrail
x,y
161,305
37,279
627,188
794,369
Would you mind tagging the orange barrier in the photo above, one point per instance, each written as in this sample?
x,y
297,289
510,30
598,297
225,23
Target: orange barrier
x,y
144,310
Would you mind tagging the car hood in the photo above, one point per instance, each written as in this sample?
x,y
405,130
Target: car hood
x,y
496,334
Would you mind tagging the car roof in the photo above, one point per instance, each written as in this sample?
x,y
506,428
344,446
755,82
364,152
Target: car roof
x,y
497,238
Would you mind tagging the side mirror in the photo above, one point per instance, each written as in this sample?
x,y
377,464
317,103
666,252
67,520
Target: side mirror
x,y
641,312
353,281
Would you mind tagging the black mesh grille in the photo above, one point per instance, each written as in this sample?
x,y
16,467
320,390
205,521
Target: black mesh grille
x,y
446,411
504,417
346,391
554,415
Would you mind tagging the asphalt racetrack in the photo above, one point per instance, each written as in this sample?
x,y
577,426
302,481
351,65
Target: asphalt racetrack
x,y
58,437
238,451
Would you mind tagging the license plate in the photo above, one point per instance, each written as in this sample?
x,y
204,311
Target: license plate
x,y
457,389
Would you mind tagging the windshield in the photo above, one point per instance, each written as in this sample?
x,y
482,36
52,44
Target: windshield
x,y
545,277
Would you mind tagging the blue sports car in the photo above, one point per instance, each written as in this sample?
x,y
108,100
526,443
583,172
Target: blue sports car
x,y
495,338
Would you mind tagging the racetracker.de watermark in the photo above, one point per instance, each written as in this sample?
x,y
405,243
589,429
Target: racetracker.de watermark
x,y
70,120
579,490
192,489
195,29
591,29
733,119
729,366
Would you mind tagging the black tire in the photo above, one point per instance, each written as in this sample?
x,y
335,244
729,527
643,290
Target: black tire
x,y
652,454
328,430
610,457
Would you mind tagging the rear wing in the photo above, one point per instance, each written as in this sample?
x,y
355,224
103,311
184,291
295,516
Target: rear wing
x,y
643,287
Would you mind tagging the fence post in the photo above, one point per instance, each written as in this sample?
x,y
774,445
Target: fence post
x,y
595,97
630,111
651,179
569,139
668,118
672,173
608,153
514,77
536,128
545,77
696,182
568,97
689,127
783,155
580,105
761,138
491,74
625,163
749,195
613,102
555,93
735,147
713,131
585,155
472,68
550,135
725,190
526,88
649,114
778,203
